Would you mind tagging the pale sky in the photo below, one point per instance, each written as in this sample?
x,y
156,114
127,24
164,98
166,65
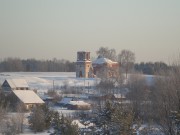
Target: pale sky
x,y
59,28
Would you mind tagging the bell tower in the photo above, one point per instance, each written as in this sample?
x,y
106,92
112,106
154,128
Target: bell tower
x,y
83,64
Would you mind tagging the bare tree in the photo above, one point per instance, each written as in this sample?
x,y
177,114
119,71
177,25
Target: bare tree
x,y
126,59
166,99
10,124
139,96
19,118
3,112
106,86
107,53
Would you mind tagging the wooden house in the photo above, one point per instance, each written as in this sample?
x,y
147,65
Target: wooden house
x,y
28,98
78,105
17,91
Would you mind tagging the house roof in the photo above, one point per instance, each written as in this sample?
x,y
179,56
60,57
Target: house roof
x,y
66,100
78,103
28,96
119,96
80,125
17,83
70,101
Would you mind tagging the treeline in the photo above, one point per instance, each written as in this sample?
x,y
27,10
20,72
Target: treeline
x,y
33,65
151,68
55,65
126,59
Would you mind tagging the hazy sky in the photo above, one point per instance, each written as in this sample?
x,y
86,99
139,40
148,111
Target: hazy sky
x,y
59,28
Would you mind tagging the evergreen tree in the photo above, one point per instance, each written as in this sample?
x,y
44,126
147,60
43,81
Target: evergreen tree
x,y
64,126
104,118
40,118
37,120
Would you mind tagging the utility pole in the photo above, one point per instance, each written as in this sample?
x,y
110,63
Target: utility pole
x,y
84,84
88,87
53,85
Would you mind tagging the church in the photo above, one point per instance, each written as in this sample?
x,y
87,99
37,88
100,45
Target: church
x,y
85,68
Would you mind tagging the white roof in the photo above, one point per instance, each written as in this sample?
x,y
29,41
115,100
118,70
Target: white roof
x,y
65,100
119,96
71,102
17,83
28,96
103,60
78,103
80,125
46,97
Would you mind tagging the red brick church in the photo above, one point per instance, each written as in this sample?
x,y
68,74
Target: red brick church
x,y
101,67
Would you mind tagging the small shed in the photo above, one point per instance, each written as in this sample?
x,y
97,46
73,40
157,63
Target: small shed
x,y
74,104
79,105
65,101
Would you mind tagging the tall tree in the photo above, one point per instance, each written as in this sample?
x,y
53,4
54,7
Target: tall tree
x,y
63,125
139,96
37,120
166,99
19,118
107,53
40,118
126,59
113,119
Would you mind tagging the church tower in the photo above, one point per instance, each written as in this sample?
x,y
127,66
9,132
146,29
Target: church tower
x,y
83,64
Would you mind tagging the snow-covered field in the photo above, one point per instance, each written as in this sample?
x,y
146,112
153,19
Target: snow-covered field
x,y
43,81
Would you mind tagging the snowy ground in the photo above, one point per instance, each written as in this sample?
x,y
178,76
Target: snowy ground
x,y
43,81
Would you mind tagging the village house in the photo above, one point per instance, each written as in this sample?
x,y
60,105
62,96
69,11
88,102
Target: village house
x,y
18,91
79,105
28,98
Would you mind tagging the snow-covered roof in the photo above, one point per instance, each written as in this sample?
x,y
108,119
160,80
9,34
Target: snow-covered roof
x,y
71,102
65,100
17,83
78,103
119,96
75,96
46,97
28,96
103,60
80,125
84,60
